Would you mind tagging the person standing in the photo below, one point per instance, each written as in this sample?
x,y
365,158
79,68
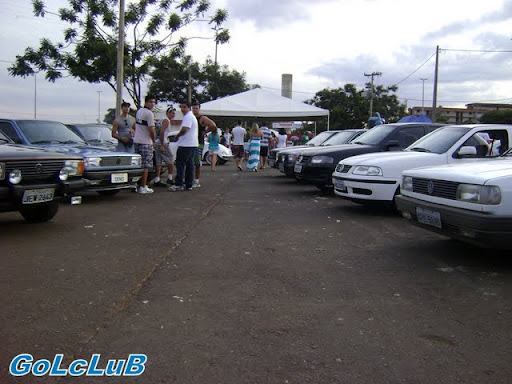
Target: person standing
x,y
254,148
227,137
238,133
205,125
162,151
187,144
145,134
123,129
265,144
213,146
282,137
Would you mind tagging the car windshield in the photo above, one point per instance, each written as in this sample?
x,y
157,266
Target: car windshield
x,y
3,138
439,141
320,138
375,135
96,133
339,138
48,132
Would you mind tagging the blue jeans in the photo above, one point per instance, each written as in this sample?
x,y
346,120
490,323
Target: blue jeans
x,y
185,166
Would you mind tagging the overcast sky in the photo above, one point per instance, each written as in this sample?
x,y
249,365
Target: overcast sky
x,y
322,43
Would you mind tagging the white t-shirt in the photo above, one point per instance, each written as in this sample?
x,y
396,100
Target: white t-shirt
x,y
144,119
281,141
238,135
190,138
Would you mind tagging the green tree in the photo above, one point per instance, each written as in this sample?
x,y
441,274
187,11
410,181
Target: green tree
x,y
89,49
503,116
170,80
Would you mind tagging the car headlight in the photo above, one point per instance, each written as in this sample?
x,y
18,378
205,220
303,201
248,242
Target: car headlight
x,y
63,174
322,160
407,183
136,160
366,170
481,194
15,176
74,167
93,161
292,157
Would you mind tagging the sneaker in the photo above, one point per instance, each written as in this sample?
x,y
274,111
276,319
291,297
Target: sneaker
x,y
175,188
145,190
196,184
170,182
159,184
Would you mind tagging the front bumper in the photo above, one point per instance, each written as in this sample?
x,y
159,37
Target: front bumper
x,y
287,168
106,180
359,188
477,228
320,175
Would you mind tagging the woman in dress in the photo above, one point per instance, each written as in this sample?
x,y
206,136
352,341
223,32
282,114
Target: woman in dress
x,y
254,148
213,146
282,138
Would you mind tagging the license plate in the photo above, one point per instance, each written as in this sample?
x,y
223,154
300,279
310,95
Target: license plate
x,y
35,196
281,167
338,184
428,217
119,178
297,168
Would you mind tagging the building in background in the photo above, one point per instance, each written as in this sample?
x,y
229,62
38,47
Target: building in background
x,y
471,114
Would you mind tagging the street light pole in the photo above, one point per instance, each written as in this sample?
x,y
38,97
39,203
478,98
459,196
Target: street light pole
x,y
35,95
99,105
423,97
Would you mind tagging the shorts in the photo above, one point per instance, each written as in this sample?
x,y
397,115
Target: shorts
x,y
198,156
165,157
238,151
214,151
264,151
146,152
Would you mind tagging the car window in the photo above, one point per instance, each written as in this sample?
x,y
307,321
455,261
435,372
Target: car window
x,y
489,143
10,132
439,141
408,135
320,138
39,131
375,135
339,138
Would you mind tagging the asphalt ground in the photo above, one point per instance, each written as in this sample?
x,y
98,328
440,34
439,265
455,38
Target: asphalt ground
x,y
252,278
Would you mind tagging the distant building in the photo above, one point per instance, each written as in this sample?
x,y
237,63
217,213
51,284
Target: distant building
x,y
471,114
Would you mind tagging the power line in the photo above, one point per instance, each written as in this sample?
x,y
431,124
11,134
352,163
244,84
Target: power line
x,y
416,70
473,50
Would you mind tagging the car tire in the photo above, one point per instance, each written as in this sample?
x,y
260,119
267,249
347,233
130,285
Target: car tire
x,y
207,158
109,192
221,161
40,213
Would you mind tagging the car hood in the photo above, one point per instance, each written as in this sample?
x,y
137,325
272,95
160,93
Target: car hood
x,y
83,150
339,152
479,172
19,152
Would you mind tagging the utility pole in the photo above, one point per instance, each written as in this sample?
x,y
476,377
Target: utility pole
x,y
434,98
423,97
99,106
372,75
120,61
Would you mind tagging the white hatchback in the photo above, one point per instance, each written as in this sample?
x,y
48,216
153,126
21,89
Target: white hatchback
x,y
223,156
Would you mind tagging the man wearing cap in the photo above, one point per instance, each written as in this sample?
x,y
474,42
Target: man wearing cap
x,y
123,129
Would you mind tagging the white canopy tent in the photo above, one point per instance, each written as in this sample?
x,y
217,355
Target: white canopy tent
x,y
258,103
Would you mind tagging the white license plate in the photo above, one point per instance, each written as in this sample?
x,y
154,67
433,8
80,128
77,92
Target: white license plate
x,y
35,196
119,178
428,217
338,184
297,168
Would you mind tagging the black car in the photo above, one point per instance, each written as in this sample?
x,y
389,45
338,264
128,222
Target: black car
x,y
33,180
287,158
316,165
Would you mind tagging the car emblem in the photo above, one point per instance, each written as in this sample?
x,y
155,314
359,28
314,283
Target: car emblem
x,y
430,187
39,168
118,161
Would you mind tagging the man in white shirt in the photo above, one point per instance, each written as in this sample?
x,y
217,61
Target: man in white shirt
x,y
145,134
237,144
188,141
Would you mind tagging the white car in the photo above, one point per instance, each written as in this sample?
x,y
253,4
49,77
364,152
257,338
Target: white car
x,y
375,177
223,156
469,202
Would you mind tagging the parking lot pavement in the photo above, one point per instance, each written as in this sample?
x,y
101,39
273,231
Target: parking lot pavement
x,y
253,279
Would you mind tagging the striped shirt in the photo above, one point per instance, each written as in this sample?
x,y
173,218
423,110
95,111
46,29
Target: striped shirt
x,y
266,136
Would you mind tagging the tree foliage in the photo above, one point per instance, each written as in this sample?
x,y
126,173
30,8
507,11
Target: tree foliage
x,y
170,80
89,49
349,107
503,116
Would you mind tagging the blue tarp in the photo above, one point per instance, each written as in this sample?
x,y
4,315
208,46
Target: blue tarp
x,y
415,119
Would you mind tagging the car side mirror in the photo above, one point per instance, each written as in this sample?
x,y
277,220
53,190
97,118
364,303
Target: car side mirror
x,y
393,145
466,151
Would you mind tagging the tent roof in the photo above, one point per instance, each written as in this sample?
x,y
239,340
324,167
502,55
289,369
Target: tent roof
x,y
260,103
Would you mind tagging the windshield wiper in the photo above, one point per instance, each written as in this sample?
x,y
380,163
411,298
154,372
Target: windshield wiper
x,y
43,142
358,142
419,149
68,142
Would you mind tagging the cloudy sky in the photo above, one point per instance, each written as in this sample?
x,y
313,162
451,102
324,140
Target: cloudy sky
x,y
322,43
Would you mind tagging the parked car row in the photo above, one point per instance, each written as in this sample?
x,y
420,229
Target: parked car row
x,y
454,180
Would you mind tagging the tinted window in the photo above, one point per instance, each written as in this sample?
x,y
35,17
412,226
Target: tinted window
x,y
339,138
38,132
375,135
407,136
9,131
320,138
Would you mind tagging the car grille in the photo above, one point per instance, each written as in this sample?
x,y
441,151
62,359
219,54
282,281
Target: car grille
x,y
115,161
342,168
36,170
303,159
437,188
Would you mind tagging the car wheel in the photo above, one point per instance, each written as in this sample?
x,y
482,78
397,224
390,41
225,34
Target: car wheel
x,y
207,158
221,161
109,192
40,213
393,203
